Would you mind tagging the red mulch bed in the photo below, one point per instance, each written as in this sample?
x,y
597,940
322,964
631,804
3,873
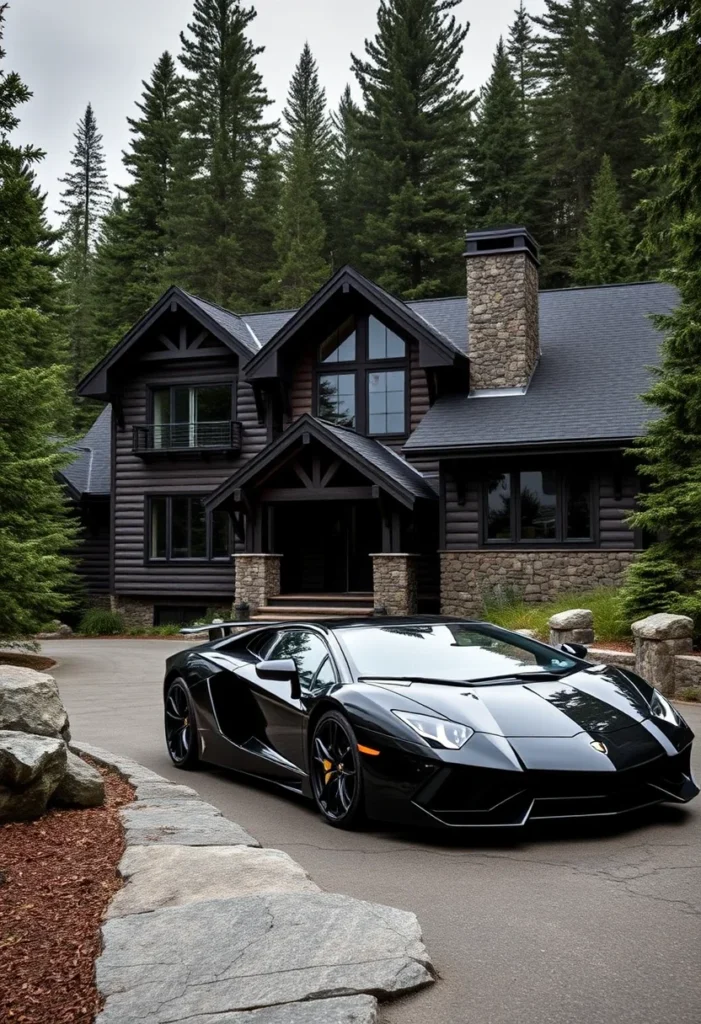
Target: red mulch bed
x,y
57,875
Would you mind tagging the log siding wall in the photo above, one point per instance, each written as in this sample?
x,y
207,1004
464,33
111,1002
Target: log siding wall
x,y
135,478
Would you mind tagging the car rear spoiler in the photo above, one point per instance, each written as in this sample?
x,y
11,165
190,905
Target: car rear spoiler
x,y
215,630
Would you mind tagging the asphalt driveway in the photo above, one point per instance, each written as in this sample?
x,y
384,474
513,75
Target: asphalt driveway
x,y
593,925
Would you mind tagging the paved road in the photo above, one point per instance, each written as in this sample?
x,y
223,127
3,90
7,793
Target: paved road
x,y
560,927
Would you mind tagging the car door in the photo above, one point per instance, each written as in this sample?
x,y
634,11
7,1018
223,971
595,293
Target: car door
x,y
282,713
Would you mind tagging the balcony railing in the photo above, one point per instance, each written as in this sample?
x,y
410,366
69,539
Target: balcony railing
x,y
155,438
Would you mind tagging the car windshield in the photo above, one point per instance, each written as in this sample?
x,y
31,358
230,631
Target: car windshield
x,y
456,652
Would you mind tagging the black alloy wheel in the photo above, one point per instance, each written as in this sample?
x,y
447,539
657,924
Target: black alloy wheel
x,y
181,732
337,781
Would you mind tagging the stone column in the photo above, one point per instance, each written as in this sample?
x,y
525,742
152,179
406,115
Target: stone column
x,y
257,579
658,638
394,583
575,626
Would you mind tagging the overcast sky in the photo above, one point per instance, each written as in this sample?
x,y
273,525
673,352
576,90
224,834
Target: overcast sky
x,y
71,52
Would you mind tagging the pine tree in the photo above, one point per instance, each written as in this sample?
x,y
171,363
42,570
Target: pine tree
x,y
300,238
258,229
670,453
520,49
84,204
567,122
502,163
414,133
34,524
626,125
346,183
85,199
132,251
605,254
223,139
306,122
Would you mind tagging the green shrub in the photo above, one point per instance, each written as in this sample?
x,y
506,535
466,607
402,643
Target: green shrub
x,y
656,583
100,622
610,622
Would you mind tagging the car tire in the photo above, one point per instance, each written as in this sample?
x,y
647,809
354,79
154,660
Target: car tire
x,y
336,772
180,726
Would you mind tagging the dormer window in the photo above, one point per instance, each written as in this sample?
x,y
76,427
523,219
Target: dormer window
x,y
362,377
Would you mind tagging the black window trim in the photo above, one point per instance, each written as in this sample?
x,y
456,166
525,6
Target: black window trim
x,y
560,540
361,367
209,559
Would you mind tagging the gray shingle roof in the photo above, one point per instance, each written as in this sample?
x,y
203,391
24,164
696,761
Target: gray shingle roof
x,y
393,465
266,325
232,323
596,346
89,473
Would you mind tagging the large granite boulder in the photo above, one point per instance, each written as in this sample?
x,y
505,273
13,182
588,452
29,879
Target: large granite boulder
x,y
81,785
30,702
31,768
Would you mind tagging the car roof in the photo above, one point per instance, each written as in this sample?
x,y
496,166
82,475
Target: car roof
x,y
358,622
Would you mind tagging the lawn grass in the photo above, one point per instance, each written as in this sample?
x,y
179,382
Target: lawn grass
x,y
609,622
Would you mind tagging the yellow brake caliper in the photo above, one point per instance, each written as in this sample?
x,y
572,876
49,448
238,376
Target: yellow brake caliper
x,y
328,766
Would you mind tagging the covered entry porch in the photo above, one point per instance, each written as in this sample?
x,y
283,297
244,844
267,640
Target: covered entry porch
x,y
329,520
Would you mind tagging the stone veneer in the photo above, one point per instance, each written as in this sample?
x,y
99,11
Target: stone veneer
x,y
137,612
394,583
257,579
502,296
467,576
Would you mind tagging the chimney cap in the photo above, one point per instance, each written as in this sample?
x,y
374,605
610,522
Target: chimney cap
x,y
498,240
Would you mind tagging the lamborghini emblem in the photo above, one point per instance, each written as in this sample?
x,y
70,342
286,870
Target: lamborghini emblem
x,y
601,747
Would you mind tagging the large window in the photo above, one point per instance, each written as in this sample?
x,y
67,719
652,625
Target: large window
x,y
196,416
362,378
181,530
538,507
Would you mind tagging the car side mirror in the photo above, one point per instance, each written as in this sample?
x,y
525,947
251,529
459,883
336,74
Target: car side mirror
x,y
283,669
576,650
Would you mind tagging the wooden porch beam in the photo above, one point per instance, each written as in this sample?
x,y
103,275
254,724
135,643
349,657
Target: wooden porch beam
x,y
316,494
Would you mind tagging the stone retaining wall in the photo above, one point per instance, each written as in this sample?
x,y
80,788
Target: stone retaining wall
x,y
533,575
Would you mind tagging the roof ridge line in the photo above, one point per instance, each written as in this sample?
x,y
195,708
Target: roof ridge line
x,y
600,287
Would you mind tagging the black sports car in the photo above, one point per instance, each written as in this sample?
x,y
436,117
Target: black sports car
x,y
437,722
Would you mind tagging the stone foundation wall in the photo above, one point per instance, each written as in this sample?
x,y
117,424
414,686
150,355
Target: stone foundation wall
x,y
394,583
257,579
534,576
137,612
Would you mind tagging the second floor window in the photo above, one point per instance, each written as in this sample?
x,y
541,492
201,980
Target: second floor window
x,y
180,529
362,378
194,416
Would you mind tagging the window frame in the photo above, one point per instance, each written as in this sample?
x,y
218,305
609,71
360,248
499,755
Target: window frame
x,y
208,559
361,367
560,540
171,386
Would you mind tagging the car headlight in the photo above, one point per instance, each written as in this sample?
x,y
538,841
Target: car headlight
x,y
661,708
438,732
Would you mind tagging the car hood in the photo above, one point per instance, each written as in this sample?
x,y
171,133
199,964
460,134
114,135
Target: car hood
x,y
597,701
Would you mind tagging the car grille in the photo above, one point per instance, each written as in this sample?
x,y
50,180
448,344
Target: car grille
x,y
478,796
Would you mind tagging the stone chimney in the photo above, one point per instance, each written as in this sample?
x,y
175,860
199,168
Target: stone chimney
x,y
502,308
